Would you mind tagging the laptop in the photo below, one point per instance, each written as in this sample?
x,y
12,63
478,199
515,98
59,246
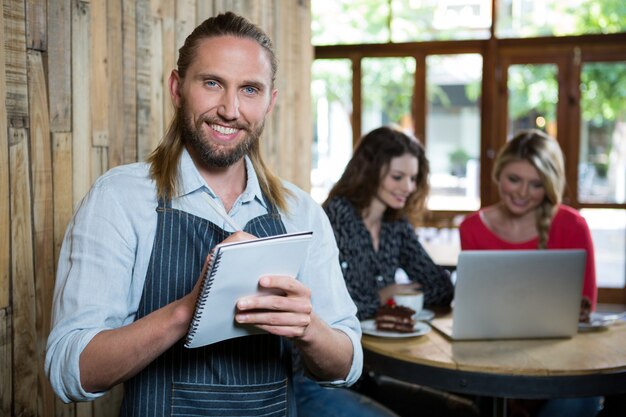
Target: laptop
x,y
517,294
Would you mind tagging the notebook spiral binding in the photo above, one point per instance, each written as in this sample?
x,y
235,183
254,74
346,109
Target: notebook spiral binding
x,y
205,289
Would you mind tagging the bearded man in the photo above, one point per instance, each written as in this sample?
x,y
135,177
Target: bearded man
x,y
129,269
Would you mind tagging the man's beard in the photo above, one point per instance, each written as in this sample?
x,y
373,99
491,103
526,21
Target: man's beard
x,y
212,155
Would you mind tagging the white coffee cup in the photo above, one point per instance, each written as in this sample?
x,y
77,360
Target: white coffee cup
x,y
411,299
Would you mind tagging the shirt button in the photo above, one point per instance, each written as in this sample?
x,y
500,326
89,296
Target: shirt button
x,y
344,265
379,278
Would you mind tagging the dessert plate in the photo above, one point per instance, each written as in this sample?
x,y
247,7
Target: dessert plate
x,y
600,320
369,327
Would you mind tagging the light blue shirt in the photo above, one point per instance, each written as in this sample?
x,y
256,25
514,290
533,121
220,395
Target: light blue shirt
x,y
107,248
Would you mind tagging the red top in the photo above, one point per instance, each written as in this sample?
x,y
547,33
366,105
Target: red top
x,y
569,230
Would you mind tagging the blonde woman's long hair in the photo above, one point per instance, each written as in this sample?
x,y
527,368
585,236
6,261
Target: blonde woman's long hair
x,y
542,152
165,158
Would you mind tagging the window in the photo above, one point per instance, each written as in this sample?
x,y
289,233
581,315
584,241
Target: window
x,y
608,232
533,96
387,98
531,18
424,20
332,136
349,22
602,158
372,21
453,85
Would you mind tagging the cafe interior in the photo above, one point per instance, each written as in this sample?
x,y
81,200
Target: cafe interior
x,y
464,77
84,89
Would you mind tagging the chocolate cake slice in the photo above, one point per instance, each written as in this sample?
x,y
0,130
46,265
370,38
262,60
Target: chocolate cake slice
x,y
395,318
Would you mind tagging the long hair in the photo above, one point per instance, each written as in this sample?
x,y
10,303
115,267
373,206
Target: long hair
x,y
543,153
165,158
369,164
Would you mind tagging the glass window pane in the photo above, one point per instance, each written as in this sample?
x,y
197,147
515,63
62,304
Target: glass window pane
x,y
453,85
423,20
331,91
608,231
369,21
349,22
530,18
387,91
533,93
602,163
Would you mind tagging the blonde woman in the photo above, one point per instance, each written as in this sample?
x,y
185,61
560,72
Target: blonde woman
x,y
530,176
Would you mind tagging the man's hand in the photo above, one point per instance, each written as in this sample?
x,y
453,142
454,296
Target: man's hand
x,y
190,299
285,310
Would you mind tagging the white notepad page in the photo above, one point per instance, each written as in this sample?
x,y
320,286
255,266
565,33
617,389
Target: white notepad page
x,y
234,273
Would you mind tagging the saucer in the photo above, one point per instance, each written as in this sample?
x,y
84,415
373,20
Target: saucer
x,y
600,320
425,315
369,327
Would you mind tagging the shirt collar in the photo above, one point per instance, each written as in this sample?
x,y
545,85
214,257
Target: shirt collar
x,y
191,180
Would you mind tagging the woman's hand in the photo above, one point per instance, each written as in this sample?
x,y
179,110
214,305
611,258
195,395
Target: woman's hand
x,y
585,310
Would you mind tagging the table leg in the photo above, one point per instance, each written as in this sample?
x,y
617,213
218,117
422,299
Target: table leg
x,y
499,407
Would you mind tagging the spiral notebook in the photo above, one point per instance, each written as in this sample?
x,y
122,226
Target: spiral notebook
x,y
234,273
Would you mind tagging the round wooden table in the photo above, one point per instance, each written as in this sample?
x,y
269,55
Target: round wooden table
x,y
589,364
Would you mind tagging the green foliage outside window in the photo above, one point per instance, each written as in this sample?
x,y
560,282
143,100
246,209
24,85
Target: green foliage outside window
x,y
388,84
534,88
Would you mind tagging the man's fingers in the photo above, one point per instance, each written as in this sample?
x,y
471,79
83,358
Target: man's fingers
x,y
275,303
239,236
291,332
289,285
284,309
268,318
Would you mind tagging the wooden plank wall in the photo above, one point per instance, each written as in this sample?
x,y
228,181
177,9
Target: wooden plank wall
x,y
83,88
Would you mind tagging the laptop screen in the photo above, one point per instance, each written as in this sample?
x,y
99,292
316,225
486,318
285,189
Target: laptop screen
x,y
504,294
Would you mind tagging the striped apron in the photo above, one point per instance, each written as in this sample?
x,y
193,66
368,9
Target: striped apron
x,y
246,376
